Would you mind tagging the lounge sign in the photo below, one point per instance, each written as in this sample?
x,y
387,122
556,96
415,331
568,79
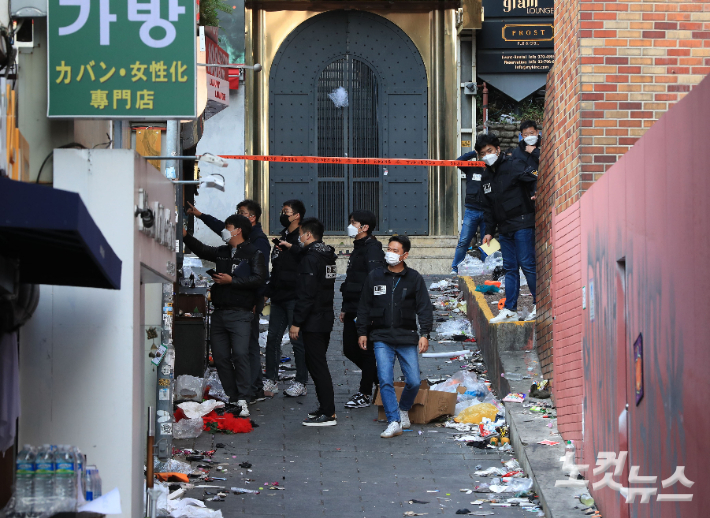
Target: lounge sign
x,y
522,8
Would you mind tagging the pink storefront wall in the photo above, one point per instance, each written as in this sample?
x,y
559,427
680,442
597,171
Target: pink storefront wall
x,y
644,268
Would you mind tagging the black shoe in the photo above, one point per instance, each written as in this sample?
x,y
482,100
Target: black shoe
x,y
315,413
321,420
259,396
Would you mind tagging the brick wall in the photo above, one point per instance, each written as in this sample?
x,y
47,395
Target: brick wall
x,y
619,65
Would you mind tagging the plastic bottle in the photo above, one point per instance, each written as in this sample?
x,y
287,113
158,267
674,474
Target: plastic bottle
x,y
25,473
44,472
79,471
89,484
512,376
64,474
568,464
97,483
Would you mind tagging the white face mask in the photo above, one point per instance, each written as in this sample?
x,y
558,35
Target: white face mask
x,y
353,230
226,235
490,158
392,259
531,140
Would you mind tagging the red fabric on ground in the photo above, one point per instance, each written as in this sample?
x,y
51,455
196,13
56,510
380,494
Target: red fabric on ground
x,y
179,415
228,422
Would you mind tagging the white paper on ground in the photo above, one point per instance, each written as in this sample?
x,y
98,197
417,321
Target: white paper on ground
x,y
110,503
450,354
193,410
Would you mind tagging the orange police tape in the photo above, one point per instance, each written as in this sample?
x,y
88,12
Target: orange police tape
x,y
366,161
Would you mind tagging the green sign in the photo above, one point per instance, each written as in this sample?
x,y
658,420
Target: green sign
x,y
116,59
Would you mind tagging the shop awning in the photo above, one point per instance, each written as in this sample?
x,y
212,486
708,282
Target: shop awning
x,y
55,239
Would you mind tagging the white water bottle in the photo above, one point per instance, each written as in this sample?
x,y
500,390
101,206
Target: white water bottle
x,y
568,466
25,478
44,472
64,473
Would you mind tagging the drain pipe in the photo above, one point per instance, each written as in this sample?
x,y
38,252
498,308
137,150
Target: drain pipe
x,y
484,108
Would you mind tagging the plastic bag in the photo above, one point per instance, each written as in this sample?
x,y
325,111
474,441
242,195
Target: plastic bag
x,y
519,485
188,388
339,96
492,261
214,385
474,414
262,339
471,267
441,285
523,279
191,508
172,465
188,428
195,410
465,378
458,326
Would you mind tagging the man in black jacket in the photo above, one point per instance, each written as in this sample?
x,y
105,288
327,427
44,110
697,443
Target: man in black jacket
x,y
510,210
392,300
282,290
366,256
241,270
473,213
528,149
252,211
313,316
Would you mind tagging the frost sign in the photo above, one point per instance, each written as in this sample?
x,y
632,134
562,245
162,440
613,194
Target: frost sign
x,y
121,58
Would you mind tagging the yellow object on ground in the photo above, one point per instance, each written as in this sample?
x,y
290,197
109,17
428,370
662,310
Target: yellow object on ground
x,y
475,414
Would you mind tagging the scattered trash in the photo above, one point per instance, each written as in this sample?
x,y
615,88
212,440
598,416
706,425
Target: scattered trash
x,y
188,428
458,326
471,267
245,465
514,397
213,386
463,511
451,354
194,410
172,465
442,284
474,414
547,442
188,388
412,513
418,502
226,423
262,339
487,289
241,491
540,389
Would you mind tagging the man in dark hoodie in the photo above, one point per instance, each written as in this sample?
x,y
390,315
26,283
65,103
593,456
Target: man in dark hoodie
x,y
366,256
282,290
528,149
241,270
509,210
392,300
252,211
473,213
313,315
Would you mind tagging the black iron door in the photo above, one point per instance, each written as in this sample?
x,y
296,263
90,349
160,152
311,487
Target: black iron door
x,y
347,129
384,77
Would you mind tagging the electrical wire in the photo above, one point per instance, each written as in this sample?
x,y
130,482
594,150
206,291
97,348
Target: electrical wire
x,y
51,153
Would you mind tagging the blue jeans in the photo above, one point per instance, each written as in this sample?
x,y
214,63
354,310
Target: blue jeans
x,y
518,249
409,361
280,319
472,218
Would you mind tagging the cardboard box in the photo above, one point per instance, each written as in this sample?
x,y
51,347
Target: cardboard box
x,y
428,405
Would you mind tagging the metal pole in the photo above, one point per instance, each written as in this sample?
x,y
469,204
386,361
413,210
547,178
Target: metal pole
x,y
151,439
484,108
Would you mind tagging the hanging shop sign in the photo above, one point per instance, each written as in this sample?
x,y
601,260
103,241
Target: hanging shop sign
x,y
217,80
121,59
521,8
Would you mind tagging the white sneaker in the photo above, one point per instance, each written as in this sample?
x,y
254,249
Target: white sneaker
x,y
505,315
533,313
394,428
453,272
296,389
270,387
404,419
242,404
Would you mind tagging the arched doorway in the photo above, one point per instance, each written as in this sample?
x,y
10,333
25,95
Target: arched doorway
x,y
385,79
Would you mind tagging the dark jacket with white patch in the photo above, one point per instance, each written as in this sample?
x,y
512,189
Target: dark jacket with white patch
x,y
473,182
506,199
316,289
390,304
367,255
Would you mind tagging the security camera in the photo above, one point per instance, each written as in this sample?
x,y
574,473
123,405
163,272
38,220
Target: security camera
x,y
147,217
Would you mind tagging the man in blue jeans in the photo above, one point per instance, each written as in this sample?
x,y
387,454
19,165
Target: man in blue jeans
x,y
510,209
473,215
393,298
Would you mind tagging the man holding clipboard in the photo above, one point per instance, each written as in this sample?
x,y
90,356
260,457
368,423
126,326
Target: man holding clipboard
x,y
240,273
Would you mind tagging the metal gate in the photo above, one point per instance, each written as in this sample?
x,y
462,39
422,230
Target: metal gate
x,y
385,78
352,130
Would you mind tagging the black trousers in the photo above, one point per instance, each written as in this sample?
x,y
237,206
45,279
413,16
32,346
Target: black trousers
x,y
316,348
230,350
365,360
257,382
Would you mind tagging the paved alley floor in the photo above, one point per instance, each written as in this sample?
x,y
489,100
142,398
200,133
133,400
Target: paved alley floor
x,y
347,470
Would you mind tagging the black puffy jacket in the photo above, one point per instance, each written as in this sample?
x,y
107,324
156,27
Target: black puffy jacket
x,y
390,304
283,284
243,290
507,203
531,159
367,255
316,289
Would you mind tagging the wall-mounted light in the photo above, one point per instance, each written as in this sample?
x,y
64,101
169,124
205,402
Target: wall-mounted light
x,y
215,181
